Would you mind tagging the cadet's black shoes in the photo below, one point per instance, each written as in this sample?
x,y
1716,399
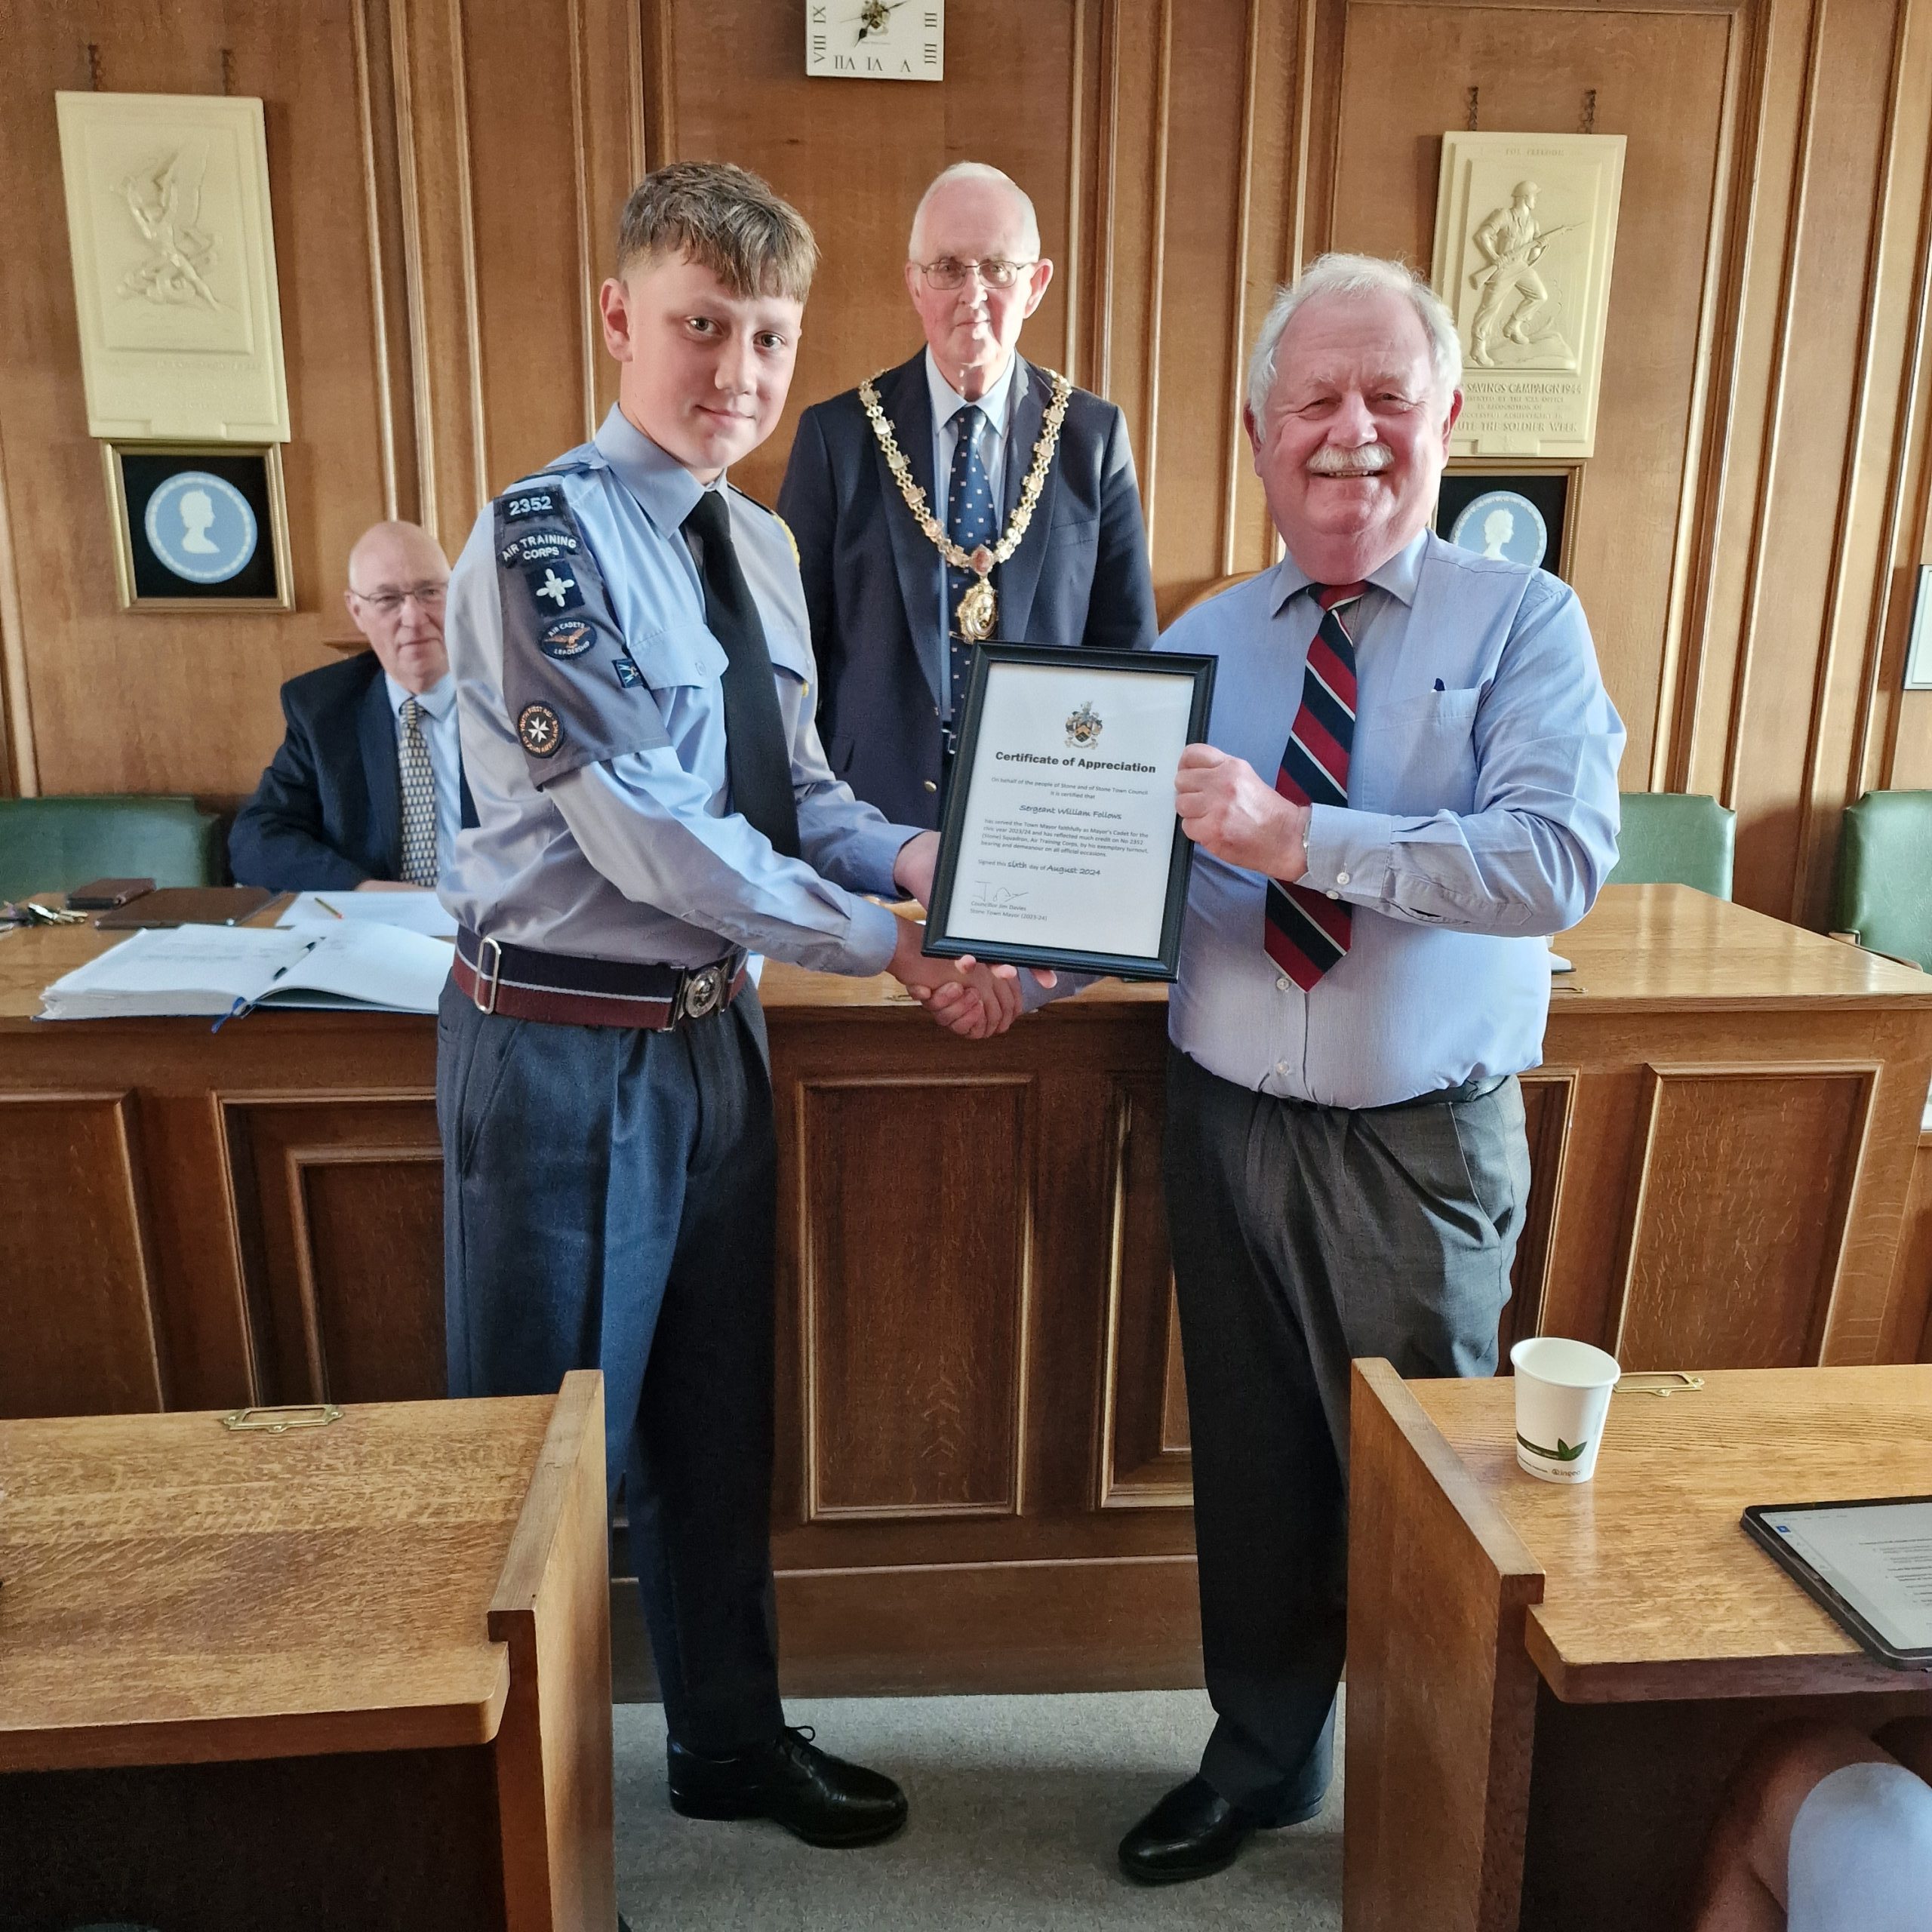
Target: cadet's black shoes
x,y
1193,1831
814,1795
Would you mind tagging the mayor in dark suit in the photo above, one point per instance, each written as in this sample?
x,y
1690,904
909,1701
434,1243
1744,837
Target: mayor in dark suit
x,y
367,790
892,642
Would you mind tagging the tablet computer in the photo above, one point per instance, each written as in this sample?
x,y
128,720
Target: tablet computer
x,y
1869,1563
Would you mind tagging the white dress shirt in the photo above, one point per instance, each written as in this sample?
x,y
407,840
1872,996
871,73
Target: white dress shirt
x,y
995,426
439,730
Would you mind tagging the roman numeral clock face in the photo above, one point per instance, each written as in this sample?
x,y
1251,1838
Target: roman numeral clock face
x,y
875,40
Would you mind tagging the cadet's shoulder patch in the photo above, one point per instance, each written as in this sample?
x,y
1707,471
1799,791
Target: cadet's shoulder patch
x,y
542,496
540,730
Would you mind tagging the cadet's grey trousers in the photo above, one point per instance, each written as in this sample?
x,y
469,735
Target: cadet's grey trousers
x,y
1303,1236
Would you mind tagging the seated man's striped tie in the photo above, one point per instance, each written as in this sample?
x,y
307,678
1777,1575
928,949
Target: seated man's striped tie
x,y
1305,930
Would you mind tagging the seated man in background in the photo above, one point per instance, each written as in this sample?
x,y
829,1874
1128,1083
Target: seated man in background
x,y
1824,1828
367,790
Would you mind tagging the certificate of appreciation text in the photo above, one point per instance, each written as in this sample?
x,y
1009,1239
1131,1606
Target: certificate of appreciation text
x,y
1060,845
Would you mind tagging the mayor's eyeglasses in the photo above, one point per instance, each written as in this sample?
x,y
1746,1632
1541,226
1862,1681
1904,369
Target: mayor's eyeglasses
x,y
995,272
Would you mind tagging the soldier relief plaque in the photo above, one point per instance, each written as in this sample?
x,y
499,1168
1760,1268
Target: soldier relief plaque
x,y
1525,227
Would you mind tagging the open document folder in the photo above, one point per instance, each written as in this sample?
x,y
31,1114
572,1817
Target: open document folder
x,y
219,969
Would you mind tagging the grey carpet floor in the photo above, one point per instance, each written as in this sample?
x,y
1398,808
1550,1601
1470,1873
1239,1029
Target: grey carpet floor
x,y
1017,1803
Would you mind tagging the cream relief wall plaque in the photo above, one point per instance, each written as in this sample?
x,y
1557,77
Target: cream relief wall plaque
x,y
1525,227
174,256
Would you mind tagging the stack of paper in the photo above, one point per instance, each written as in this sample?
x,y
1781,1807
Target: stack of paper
x,y
217,970
419,912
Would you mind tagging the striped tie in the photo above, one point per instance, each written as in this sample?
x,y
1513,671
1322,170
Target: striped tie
x,y
1305,932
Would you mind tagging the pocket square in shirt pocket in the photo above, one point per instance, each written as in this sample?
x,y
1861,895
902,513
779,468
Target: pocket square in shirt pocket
x,y
1416,756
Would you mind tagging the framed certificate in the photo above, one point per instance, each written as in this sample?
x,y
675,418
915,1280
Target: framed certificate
x,y
1060,846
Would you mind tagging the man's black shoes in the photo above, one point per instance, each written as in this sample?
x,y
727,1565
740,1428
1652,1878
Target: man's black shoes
x,y
814,1795
1193,1831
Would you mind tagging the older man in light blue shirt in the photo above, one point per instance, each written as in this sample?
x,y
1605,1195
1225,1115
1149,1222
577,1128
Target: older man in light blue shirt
x,y
1410,781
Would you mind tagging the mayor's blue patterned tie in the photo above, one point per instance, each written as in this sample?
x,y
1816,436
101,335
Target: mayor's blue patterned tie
x,y
969,522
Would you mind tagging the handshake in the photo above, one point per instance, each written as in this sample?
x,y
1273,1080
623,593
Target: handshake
x,y
976,1000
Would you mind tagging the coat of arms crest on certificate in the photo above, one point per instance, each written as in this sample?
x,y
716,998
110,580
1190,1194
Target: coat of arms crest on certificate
x,y
1083,728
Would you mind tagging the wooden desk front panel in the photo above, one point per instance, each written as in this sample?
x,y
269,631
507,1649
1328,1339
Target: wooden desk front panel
x,y
983,1470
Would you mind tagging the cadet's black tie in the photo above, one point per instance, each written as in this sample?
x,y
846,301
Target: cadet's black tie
x,y
756,758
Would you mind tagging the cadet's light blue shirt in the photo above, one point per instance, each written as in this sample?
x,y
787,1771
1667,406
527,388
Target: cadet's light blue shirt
x,y
640,856
1481,817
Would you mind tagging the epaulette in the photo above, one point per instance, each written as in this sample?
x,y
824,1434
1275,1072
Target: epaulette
x,y
572,462
744,497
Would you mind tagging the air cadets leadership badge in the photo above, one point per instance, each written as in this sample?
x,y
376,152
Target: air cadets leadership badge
x,y
1083,728
568,637
540,730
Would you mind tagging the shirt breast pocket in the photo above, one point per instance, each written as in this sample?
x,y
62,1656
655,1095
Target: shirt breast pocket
x,y
670,660
1417,756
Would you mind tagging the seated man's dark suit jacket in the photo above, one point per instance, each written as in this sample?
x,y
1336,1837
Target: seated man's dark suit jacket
x,y
1080,575
328,812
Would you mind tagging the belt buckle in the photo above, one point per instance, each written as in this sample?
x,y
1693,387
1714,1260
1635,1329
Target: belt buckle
x,y
700,992
495,949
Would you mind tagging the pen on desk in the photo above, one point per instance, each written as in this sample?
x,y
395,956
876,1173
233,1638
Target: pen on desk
x,y
245,1005
327,907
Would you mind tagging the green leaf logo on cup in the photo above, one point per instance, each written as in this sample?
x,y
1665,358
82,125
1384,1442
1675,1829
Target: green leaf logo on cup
x,y
1562,1396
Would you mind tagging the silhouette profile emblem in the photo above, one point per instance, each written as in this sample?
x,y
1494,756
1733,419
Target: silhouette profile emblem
x,y
1503,526
200,527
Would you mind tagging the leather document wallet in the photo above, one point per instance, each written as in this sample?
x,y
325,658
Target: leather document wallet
x,y
186,905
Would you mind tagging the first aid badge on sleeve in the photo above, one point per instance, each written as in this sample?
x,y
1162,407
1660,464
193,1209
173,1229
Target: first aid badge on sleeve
x,y
540,730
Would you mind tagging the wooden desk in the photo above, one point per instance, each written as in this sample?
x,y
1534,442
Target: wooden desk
x,y
981,1429
1548,1685
353,1675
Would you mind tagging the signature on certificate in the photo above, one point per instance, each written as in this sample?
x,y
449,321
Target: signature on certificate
x,y
998,899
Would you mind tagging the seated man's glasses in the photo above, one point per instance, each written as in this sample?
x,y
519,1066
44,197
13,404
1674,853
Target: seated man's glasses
x,y
995,272
389,603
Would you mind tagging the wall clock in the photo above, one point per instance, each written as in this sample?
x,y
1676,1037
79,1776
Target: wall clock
x,y
875,40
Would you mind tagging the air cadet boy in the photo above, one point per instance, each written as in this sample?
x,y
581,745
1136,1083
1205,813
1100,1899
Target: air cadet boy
x,y
629,639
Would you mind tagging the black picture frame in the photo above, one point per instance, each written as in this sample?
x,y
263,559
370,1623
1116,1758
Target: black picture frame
x,y
988,660
139,473
1552,490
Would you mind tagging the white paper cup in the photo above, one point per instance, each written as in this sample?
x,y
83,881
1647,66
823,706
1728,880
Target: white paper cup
x,y
1562,1402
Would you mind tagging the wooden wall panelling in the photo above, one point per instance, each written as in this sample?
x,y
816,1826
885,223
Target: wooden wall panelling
x,y
1830,499
1743,1186
343,1216
389,339
1802,534
113,702
439,236
77,1309
1660,77
914,1295
1145,1444
1913,1290
523,102
1896,735
729,81
1549,1100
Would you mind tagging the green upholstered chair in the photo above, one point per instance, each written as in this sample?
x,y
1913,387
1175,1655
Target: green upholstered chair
x,y
1676,838
1884,895
53,844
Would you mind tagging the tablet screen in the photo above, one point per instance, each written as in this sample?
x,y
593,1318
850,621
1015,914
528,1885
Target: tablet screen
x,y
1878,1556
